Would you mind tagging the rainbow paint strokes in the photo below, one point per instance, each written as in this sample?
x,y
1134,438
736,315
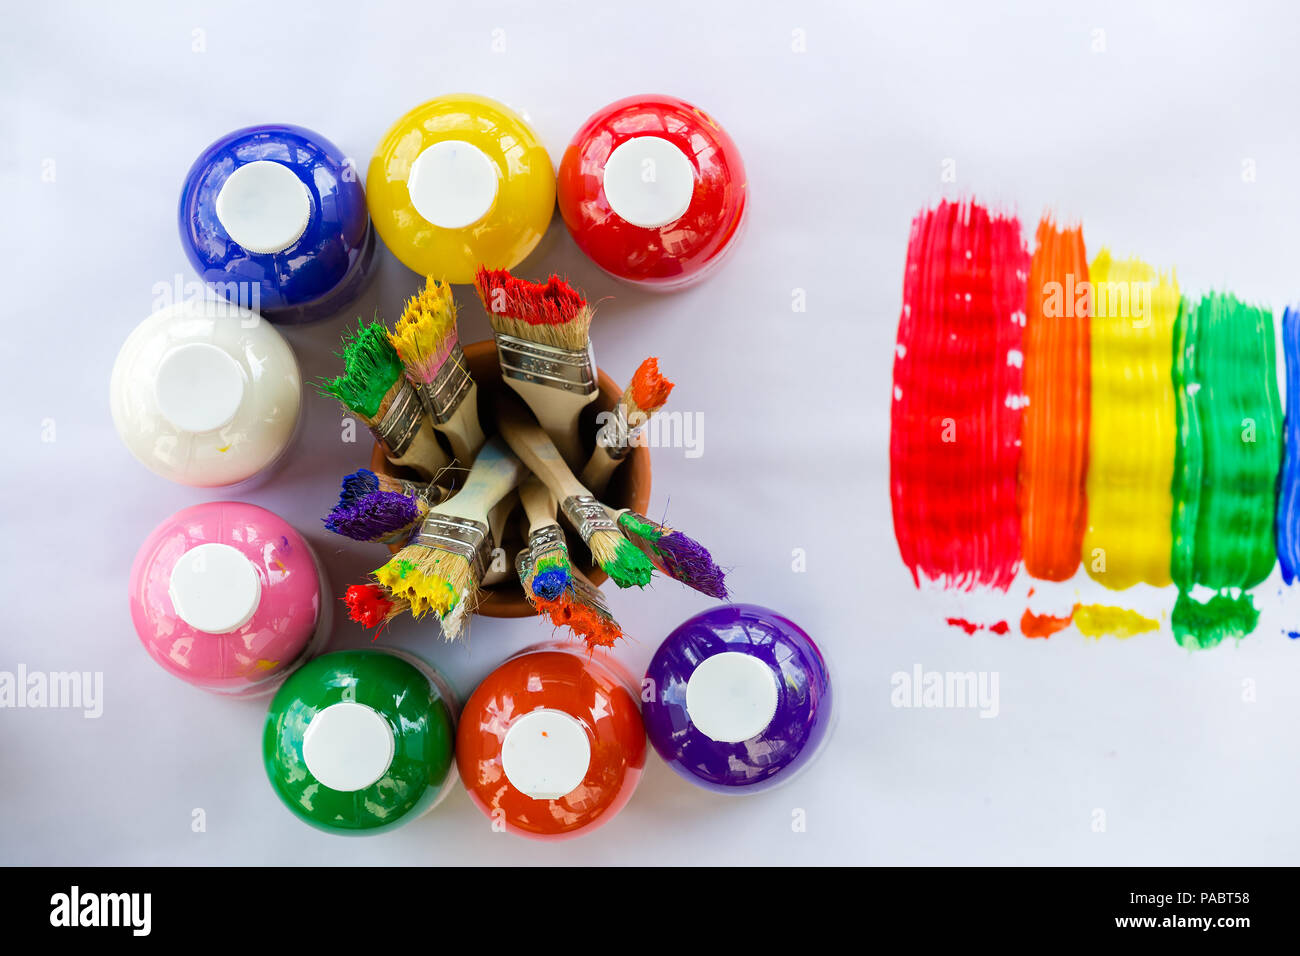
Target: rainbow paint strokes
x,y
1228,456
1131,445
1054,456
955,418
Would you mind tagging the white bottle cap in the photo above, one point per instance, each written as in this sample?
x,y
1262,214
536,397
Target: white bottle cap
x,y
264,206
731,697
546,754
214,588
348,746
649,181
453,184
198,387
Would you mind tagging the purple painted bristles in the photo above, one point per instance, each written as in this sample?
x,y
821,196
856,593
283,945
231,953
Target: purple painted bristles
x,y
374,517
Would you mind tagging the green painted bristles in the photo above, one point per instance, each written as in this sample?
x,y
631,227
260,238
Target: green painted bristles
x,y
370,368
618,557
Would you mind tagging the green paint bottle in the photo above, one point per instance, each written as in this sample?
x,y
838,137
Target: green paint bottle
x,y
360,742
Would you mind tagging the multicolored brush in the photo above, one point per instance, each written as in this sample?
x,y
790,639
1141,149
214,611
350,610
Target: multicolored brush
x,y
384,517
674,554
619,558
363,481
441,569
551,574
373,607
581,608
427,344
646,394
373,388
544,345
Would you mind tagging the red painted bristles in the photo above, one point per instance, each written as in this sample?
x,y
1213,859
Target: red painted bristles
x,y
373,607
550,312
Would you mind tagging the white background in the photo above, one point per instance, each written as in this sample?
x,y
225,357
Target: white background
x,y
1143,140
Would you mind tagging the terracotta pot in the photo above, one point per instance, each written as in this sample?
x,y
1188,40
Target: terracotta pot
x,y
629,488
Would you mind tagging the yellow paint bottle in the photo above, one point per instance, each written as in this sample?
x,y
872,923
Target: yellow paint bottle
x,y
460,182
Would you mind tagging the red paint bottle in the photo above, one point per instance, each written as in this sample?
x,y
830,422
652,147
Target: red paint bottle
x,y
551,744
653,190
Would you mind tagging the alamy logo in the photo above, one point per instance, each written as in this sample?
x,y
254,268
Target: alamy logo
x,y
946,689
59,690
75,908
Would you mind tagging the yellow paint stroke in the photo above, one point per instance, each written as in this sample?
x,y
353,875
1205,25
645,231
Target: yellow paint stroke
x,y
1099,620
1131,447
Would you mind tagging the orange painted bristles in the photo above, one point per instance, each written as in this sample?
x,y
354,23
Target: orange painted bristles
x,y
649,389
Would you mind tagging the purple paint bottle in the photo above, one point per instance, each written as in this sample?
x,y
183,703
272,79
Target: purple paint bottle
x,y
740,699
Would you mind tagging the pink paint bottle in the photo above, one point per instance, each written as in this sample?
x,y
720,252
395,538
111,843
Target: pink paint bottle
x,y
229,597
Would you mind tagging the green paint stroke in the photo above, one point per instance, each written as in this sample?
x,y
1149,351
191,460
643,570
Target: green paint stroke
x,y
1227,457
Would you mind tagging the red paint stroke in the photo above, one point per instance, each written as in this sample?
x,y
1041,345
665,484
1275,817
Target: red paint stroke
x,y
970,627
954,449
1043,625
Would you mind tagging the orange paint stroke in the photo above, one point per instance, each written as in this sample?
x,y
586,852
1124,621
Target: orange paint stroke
x,y
1057,381
1043,625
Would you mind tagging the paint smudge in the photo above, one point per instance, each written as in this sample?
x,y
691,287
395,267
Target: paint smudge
x,y
1229,453
1131,444
1288,503
1054,453
970,627
1043,625
1100,620
955,416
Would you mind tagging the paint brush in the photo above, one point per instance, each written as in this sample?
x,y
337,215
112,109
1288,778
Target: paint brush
x,y
544,346
617,556
550,572
363,481
374,388
427,344
373,606
498,518
384,517
581,608
441,569
674,554
644,396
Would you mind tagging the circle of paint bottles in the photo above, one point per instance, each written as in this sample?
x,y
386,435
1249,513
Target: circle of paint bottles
x,y
653,191
360,742
740,699
206,394
551,743
461,182
274,218
229,597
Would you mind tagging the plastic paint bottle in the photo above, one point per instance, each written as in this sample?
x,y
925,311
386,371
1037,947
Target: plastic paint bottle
x,y
204,394
740,699
360,742
461,182
229,597
274,218
551,744
653,190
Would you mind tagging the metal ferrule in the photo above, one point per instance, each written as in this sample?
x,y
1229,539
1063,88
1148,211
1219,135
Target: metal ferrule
x,y
613,437
428,492
547,538
587,515
522,562
564,369
471,539
442,397
590,594
396,430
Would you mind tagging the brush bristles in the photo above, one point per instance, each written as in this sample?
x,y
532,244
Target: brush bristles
x,y
550,313
648,391
378,516
426,333
370,369
550,574
359,484
430,578
373,607
620,559
586,621
679,557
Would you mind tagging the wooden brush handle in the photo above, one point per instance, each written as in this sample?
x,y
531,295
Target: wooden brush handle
x,y
424,455
558,412
539,504
527,439
463,430
497,519
600,468
495,473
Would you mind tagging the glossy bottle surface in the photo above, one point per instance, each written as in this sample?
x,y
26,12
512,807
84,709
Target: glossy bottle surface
x,y
290,616
321,271
515,170
553,678
673,254
250,398
407,696
802,701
